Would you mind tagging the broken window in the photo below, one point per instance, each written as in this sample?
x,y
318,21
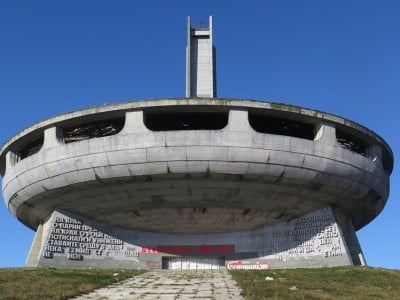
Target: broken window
x,y
31,148
281,126
162,121
2,168
93,130
351,142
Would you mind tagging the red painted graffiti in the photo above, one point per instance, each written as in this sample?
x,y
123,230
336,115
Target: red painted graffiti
x,y
240,265
181,249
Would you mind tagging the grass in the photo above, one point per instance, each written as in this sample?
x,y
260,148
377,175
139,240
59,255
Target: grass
x,y
326,283
51,283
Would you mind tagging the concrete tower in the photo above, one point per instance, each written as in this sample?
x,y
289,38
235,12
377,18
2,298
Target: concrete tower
x,y
200,62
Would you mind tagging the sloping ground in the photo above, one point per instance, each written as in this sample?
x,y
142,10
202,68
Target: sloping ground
x,y
48,283
171,284
327,283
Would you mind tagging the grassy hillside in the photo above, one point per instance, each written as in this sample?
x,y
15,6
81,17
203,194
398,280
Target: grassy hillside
x,y
327,283
48,283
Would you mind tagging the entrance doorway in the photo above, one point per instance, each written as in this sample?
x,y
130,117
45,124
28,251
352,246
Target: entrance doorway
x,y
193,263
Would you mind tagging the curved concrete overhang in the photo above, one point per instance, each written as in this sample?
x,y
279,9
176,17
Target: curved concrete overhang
x,y
263,178
109,110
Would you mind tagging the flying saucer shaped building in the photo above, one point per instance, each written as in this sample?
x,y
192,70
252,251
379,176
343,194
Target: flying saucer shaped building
x,y
197,182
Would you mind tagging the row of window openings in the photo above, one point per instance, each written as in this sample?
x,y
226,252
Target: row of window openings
x,y
196,121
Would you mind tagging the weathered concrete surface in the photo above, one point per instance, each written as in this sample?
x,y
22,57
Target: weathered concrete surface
x,y
157,174
219,187
200,62
210,284
313,240
114,109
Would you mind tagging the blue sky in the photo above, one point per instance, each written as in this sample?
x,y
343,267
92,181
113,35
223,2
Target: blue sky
x,y
341,57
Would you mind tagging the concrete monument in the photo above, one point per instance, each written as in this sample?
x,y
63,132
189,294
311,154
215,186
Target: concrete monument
x,y
197,182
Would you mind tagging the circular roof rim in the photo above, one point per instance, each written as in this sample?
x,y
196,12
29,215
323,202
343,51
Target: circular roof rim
x,y
233,102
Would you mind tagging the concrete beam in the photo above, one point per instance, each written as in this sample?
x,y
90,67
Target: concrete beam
x,y
52,137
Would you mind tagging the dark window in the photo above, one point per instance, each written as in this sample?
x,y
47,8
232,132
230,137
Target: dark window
x,y
162,121
351,142
93,130
31,148
387,163
2,167
281,126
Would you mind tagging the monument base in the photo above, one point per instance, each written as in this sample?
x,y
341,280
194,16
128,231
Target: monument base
x,y
318,239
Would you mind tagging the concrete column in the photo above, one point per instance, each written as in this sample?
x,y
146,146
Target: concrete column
x,y
351,240
11,159
33,256
239,121
375,154
326,133
52,137
188,51
134,123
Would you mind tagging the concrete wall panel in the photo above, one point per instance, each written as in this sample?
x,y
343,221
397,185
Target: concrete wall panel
x,y
313,240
